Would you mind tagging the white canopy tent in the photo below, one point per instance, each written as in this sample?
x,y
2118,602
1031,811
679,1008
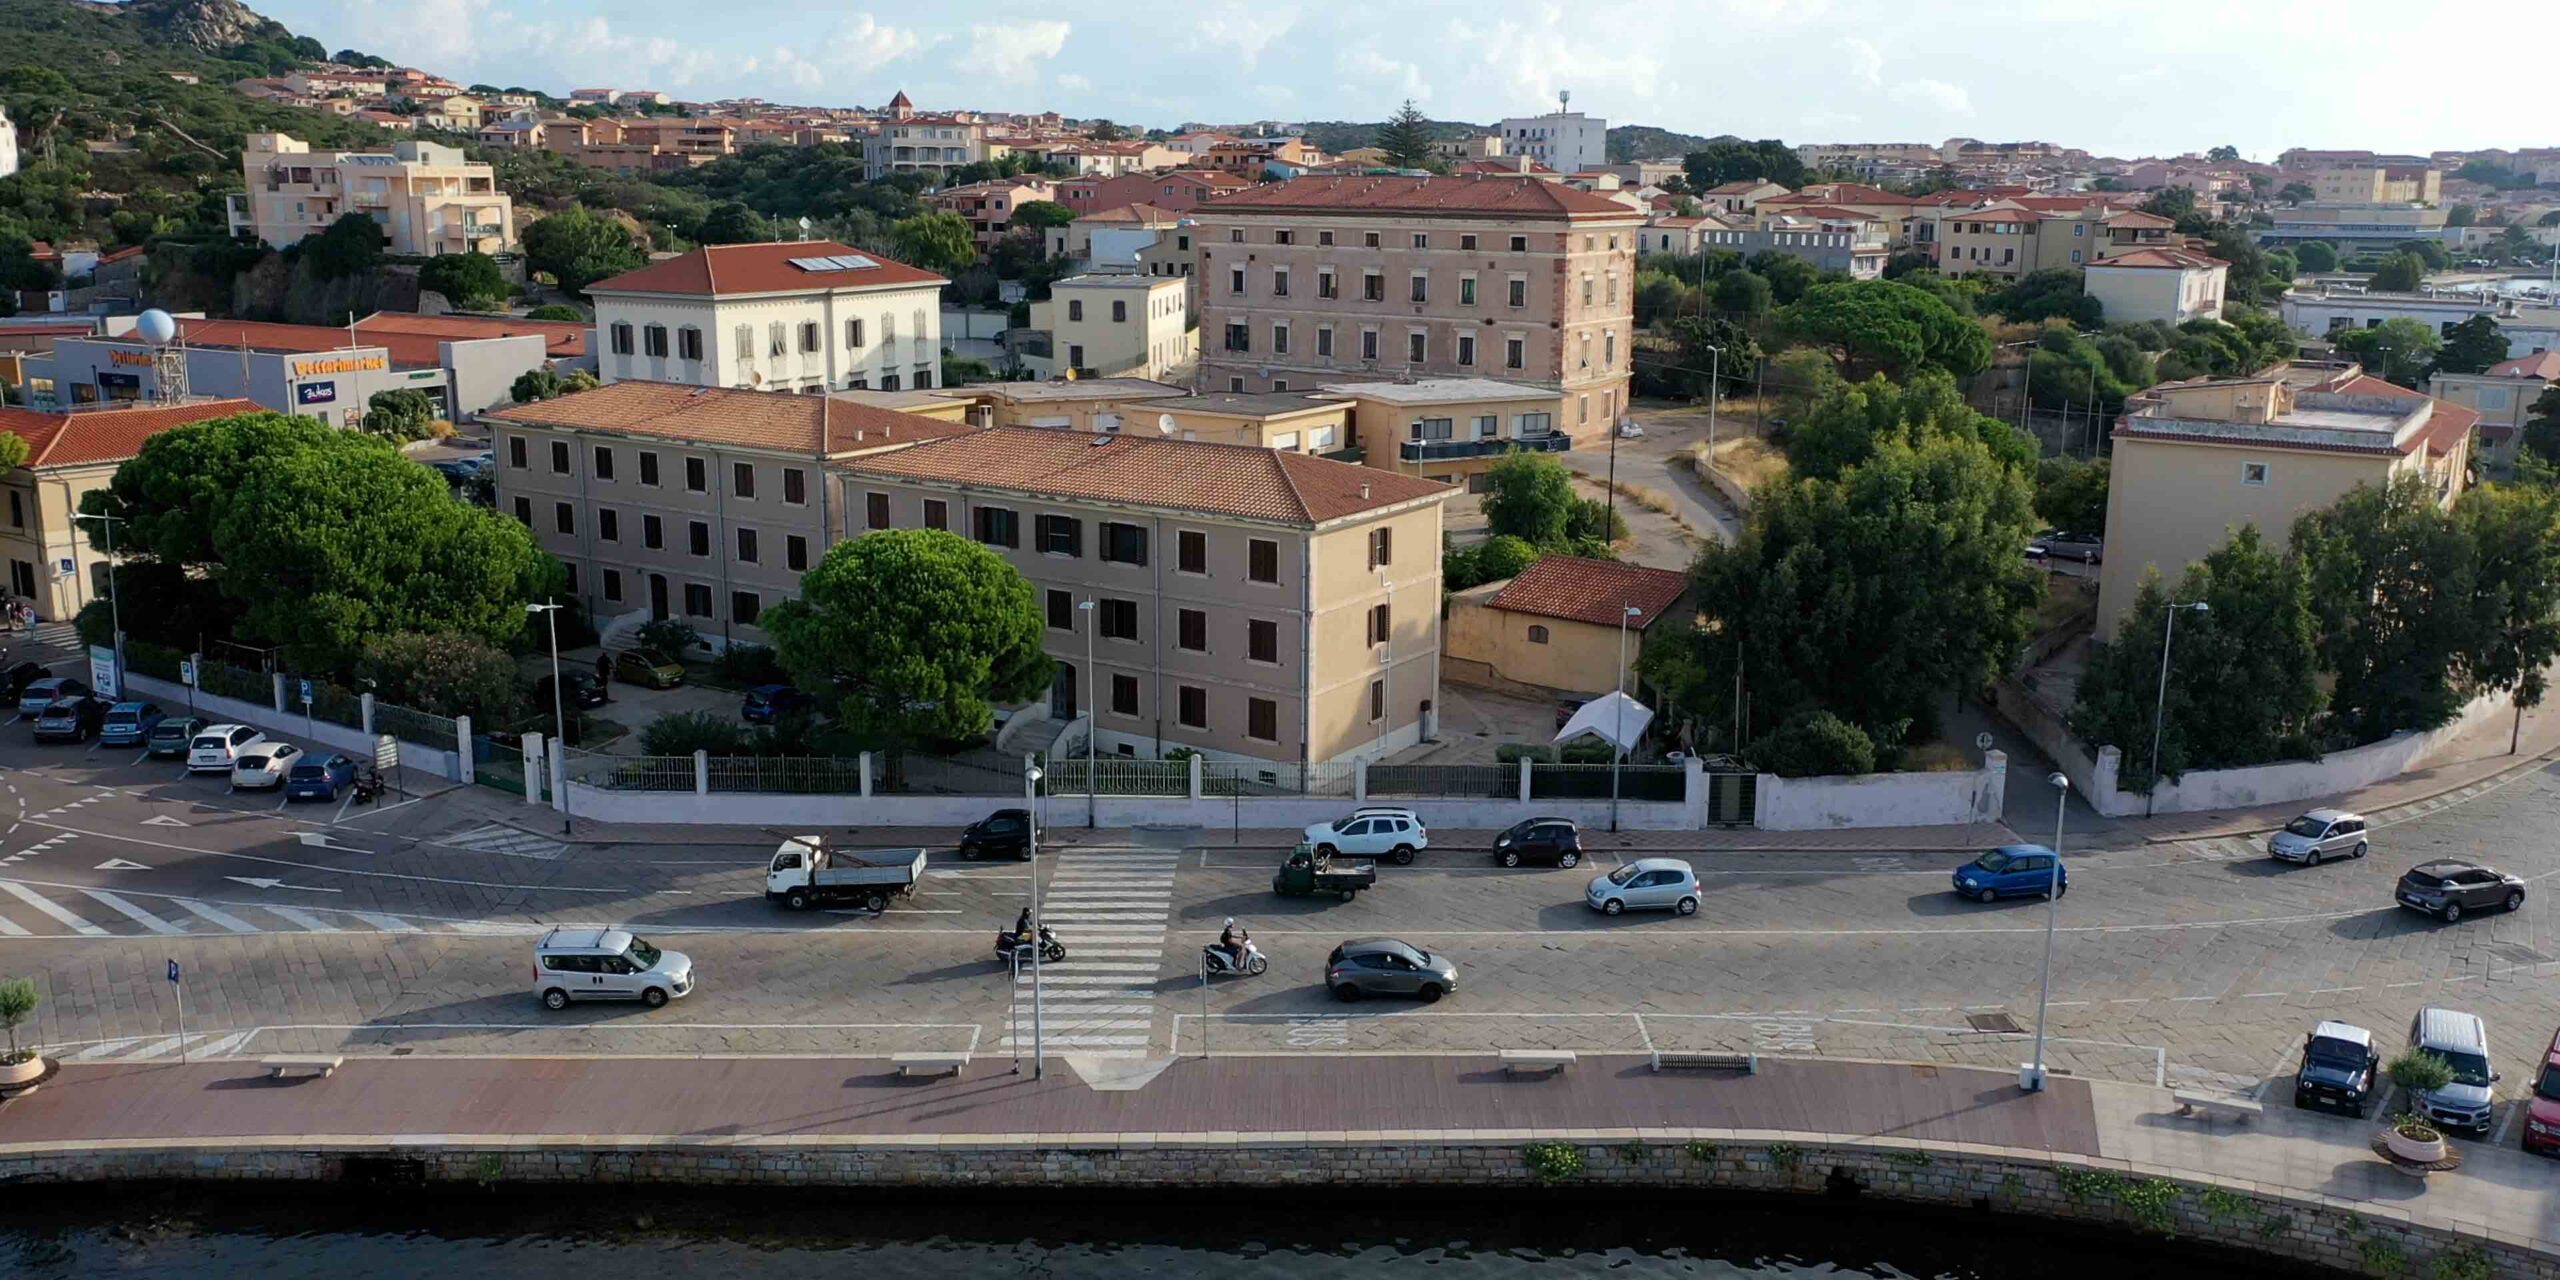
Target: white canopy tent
x,y
1613,718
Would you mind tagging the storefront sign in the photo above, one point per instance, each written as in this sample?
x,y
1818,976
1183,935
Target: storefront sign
x,y
315,393
319,365
142,359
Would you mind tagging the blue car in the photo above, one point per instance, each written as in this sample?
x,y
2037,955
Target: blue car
x,y
2013,870
769,702
129,724
320,779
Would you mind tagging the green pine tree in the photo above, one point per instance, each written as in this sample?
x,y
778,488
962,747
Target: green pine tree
x,y
1406,138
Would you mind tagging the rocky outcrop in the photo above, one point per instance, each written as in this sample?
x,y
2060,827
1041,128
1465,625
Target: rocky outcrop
x,y
209,25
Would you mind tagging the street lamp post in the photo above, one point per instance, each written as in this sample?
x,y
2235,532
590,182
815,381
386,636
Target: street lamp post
x,y
559,707
1092,714
2031,1077
1031,810
115,610
1617,744
1715,395
2160,704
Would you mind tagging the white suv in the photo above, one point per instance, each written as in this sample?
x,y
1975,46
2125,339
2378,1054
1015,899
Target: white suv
x,y
218,746
606,964
1374,833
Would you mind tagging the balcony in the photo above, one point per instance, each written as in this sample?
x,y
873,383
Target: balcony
x,y
1448,450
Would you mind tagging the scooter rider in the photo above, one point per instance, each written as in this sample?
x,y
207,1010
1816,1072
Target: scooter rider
x,y
1231,940
1022,926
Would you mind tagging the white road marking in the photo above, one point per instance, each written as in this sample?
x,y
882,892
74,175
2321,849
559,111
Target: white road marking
x,y
155,1048
46,905
215,915
132,912
304,918
218,1047
103,1049
388,924
11,928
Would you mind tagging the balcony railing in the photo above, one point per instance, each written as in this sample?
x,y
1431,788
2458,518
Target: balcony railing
x,y
1444,450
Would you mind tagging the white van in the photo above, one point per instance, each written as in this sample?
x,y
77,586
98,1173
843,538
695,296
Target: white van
x,y
606,964
2462,1040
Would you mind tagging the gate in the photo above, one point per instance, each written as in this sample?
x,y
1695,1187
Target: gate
x,y
498,762
1732,798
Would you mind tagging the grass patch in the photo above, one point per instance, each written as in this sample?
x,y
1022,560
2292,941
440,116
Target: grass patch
x,y
1749,460
1936,757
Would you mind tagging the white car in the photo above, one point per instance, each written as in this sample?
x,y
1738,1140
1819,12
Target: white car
x,y
263,765
1645,884
1371,833
217,745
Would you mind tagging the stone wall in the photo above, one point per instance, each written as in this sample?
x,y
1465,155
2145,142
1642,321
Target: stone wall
x,y
2297,1226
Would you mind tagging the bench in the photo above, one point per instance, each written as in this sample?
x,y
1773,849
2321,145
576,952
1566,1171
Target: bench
x,y
930,1064
1746,1063
2196,1102
319,1064
1551,1061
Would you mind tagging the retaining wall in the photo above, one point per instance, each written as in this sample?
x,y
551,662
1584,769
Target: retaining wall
x,y
766,809
1884,799
2300,1227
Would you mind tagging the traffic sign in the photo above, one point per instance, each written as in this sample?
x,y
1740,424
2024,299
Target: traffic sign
x,y
187,672
306,692
173,971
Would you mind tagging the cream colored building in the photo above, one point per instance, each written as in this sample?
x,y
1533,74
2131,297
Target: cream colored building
x,y
1269,420
428,198
1250,604
2379,184
1092,405
672,501
2194,461
1450,429
798,315
931,145
2503,395
2006,240
1555,628
1118,326
1338,279
2172,286
51,563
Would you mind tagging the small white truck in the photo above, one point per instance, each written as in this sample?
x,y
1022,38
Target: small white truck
x,y
807,872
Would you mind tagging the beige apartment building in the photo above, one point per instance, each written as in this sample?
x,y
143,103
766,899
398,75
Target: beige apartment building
x,y
1268,420
699,503
2503,395
2172,286
51,564
1250,604
2196,460
1556,627
1338,279
1117,326
1097,405
795,315
989,206
1450,429
2379,184
931,145
428,198
2004,240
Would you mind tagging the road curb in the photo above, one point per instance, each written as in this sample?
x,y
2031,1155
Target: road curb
x,y
2493,780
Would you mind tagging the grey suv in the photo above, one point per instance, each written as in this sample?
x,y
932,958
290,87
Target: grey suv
x,y
1384,966
2448,889
2321,833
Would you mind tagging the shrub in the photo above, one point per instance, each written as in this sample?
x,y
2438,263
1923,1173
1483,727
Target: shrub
x,y
1814,745
673,637
1503,556
2420,1071
1515,752
446,675
556,311
1584,750
1593,520
18,1001
402,413
1702,1151
749,665
1552,1161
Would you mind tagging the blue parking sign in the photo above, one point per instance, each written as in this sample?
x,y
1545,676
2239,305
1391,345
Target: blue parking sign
x,y
173,971
306,691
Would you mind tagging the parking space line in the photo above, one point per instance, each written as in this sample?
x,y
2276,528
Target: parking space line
x,y
2515,1108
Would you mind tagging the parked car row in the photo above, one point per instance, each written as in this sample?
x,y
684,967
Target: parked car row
x,y
2341,1070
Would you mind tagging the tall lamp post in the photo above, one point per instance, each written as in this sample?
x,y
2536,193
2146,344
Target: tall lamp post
x,y
1617,743
1715,395
1031,809
2031,1076
559,707
1092,714
115,611
2160,703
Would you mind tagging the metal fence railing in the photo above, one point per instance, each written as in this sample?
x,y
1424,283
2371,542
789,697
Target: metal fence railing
x,y
223,680
786,775
1228,778
1591,782
916,774
425,728
1117,776
629,773
1487,781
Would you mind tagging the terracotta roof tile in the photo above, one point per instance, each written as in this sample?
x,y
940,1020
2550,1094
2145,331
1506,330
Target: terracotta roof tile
x,y
2181,259
812,425
2541,364
409,351
1392,194
761,268
1139,213
560,338
1593,591
92,436
1176,475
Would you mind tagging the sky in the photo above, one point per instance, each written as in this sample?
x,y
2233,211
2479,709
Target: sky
x,y
2159,78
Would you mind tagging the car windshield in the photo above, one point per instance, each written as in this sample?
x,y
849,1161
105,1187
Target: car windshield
x,y
2307,827
2336,1053
1996,860
2547,1085
1343,821
642,954
1623,874
2468,1068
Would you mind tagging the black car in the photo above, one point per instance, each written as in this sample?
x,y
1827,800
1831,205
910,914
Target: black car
x,y
2054,544
172,737
2449,889
72,719
1006,833
767,703
577,688
24,674
2339,1067
1550,840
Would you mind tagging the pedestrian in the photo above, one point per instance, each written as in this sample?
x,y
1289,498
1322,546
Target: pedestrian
x,y
604,675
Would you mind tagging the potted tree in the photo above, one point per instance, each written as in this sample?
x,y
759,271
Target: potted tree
x,y
18,1002
2411,1137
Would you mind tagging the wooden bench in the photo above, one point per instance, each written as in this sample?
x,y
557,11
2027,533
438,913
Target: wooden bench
x,y
319,1064
1551,1061
2193,1102
1746,1063
930,1064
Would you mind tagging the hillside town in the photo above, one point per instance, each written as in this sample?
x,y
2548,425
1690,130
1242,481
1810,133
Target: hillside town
x,y
477,526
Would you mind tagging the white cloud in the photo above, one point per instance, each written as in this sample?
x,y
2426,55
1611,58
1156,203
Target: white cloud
x,y
1074,83
1246,29
1369,71
858,46
1552,50
1863,60
1948,98
1007,52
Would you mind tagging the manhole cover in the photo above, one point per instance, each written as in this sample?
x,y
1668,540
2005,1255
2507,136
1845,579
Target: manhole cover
x,y
1992,1022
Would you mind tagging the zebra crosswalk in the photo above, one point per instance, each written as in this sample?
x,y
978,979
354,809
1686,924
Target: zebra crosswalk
x,y
197,1045
1111,908
496,838
69,911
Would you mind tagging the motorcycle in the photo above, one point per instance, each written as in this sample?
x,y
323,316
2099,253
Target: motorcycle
x,y
1051,950
368,787
1217,960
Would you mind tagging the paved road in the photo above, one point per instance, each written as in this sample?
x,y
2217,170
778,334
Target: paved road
x,y
409,930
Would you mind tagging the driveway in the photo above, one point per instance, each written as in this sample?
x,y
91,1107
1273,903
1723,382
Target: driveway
x,y
1645,462
631,705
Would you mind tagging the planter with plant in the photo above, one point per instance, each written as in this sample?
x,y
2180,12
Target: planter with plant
x,y
2411,1138
18,1001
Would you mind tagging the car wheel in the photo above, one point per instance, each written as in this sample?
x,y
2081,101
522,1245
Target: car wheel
x,y
1986,894
1254,965
2360,847
1403,855
2300,1102
2515,900
1326,851
1510,858
1429,994
2059,890
1349,894
555,999
1568,859
654,997
1614,906
1347,993
1688,907
2452,912
796,899
2364,1110
2311,859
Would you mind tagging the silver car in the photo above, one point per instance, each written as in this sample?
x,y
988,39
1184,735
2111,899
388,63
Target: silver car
x,y
1384,966
607,964
1660,884
2321,833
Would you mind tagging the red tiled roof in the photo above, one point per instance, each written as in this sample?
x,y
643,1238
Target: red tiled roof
x,y
2137,218
1179,475
2541,364
93,436
1141,213
778,420
560,338
1592,591
761,268
1390,194
406,350
1737,187
2180,259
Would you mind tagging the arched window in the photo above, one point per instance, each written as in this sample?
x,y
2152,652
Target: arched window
x,y
1537,635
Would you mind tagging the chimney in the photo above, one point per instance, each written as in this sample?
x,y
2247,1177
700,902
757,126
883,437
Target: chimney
x,y
1364,491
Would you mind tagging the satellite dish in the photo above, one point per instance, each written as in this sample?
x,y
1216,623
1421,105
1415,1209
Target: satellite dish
x,y
156,327
1165,423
